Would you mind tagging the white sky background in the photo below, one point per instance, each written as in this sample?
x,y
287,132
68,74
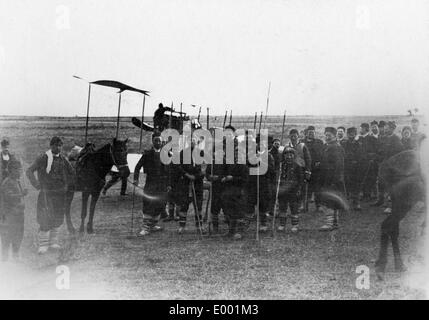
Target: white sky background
x,y
322,57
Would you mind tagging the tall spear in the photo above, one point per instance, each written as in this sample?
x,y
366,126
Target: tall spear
x,y
283,127
254,122
199,114
224,119
230,117
87,113
268,102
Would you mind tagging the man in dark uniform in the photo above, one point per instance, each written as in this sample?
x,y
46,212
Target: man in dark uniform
x,y
374,129
54,175
185,175
156,186
389,145
233,184
214,174
352,163
277,156
332,180
369,165
315,147
303,158
6,158
266,184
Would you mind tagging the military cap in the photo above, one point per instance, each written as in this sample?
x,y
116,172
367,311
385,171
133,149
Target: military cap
x,y
351,130
406,128
293,131
4,142
382,123
365,126
331,130
341,127
311,128
276,139
414,120
56,140
374,123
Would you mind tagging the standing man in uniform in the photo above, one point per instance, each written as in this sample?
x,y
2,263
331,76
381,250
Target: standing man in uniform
x,y
352,162
389,146
416,136
54,176
277,156
332,180
6,158
156,186
369,165
186,175
315,147
303,158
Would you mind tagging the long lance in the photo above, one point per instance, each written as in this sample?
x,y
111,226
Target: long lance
x,y
257,205
199,114
254,122
268,102
230,117
119,112
283,128
208,118
276,200
87,113
197,213
140,148
224,119
260,124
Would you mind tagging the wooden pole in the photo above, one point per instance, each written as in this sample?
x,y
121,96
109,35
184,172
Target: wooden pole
x,y
283,128
230,117
119,112
260,124
141,128
199,114
224,119
254,122
87,113
268,102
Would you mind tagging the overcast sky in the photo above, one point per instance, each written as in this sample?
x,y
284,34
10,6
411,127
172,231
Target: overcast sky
x,y
322,57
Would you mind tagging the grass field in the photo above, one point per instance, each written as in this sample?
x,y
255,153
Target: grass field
x,y
110,264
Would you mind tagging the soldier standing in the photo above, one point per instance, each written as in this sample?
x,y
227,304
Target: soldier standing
x,y
186,175
290,188
12,211
332,180
214,174
369,144
389,145
233,184
352,162
277,156
315,147
341,135
6,158
54,175
303,158
156,186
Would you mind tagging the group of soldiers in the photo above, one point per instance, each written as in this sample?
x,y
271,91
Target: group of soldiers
x,y
337,174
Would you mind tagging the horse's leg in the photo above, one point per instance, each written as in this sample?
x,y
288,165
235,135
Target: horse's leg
x,y
381,262
400,208
94,198
85,196
69,199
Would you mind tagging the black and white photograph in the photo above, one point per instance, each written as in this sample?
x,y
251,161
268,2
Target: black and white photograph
x,y
231,152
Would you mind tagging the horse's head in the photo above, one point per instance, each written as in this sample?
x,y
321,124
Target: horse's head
x,y
119,155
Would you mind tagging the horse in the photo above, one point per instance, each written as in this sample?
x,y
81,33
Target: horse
x,y
402,174
91,170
